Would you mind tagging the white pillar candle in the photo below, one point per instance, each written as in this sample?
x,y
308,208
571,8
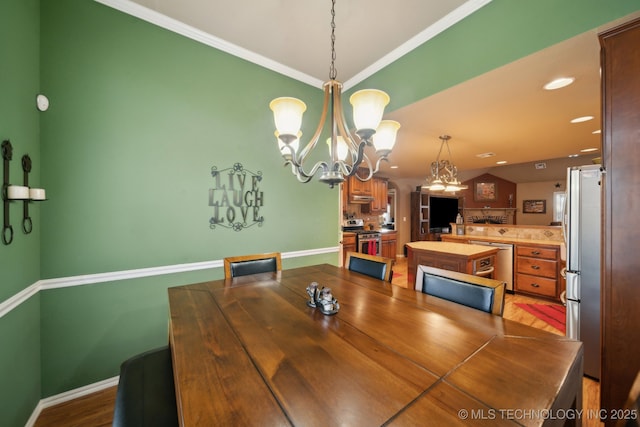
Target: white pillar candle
x,y
37,194
17,192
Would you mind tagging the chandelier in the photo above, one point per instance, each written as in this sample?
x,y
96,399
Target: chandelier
x,y
444,174
346,149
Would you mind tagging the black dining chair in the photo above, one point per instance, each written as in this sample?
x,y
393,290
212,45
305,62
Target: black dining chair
x,y
251,264
473,291
146,393
371,265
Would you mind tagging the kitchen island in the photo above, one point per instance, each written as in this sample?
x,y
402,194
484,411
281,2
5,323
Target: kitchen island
x,y
461,257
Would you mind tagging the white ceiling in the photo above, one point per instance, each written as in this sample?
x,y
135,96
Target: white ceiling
x,y
505,111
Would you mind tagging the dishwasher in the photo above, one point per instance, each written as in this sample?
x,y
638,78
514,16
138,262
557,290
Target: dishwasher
x,y
504,261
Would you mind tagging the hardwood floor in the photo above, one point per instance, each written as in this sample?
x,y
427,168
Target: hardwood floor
x,y
96,410
93,410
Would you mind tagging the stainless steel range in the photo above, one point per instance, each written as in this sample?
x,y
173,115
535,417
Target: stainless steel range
x,y
367,241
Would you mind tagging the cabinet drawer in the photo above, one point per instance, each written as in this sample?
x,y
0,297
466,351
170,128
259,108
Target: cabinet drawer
x,y
349,239
537,252
388,236
536,285
538,267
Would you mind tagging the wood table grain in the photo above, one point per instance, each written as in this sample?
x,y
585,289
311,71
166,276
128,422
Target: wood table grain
x,y
249,351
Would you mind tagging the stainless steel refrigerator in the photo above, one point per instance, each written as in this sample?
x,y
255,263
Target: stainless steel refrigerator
x,y
582,236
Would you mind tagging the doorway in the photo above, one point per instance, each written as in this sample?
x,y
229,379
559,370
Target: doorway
x,y
390,214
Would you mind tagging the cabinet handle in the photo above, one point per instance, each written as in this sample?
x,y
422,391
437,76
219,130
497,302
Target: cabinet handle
x,y
535,285
535,252
535,267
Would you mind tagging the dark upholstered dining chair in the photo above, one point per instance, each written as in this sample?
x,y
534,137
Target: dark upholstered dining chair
x,y
251,264
473,291
375,266
146,393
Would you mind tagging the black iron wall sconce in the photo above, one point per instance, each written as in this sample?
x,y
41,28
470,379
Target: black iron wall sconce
x,y
17,192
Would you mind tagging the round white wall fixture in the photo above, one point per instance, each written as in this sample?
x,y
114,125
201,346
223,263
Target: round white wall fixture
x,y
42,102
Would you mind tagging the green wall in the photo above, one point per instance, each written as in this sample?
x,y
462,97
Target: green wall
x,y
497,34
138,117
20,262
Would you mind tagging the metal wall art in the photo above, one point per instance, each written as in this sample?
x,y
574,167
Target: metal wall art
x,y
7,229
17,193
236,198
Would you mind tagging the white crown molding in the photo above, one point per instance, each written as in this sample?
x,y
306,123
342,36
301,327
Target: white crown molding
x,y
427,34
64,282
193,33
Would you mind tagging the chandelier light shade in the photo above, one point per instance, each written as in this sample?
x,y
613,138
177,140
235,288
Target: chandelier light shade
x,y
368,108
287,113
342,147
385,137
346,149
443,175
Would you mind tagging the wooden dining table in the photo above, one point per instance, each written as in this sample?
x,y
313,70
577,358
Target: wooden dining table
x,y
250,351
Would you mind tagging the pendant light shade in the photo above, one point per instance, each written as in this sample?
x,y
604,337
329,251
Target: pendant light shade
x,y
444,174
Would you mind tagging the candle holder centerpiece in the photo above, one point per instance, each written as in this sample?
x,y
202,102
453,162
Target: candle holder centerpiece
x,y
322,298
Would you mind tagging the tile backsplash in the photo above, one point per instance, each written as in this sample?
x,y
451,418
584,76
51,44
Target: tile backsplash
x,y
550,233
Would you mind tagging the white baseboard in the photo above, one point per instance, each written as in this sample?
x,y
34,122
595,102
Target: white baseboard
x,y
69,395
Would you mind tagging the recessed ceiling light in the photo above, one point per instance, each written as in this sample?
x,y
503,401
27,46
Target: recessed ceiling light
x,y
588,150
595,132
572,155
501,162
582,119
393,167
485,155
559,83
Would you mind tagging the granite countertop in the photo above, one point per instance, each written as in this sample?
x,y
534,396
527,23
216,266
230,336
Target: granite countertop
x,y
386,231
513,240
381,231
452,248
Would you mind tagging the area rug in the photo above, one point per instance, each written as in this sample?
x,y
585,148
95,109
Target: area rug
x,y
554,315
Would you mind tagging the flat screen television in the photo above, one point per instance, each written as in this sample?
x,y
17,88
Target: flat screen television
x,y
442,212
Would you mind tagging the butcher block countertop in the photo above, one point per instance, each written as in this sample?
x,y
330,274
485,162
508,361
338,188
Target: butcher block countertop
x,y
462,249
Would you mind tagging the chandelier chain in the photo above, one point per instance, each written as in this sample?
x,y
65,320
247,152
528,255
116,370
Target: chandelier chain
x,y
332,68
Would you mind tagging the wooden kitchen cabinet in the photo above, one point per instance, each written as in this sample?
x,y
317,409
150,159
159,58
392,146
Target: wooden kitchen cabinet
x,y
538,271
348,245
372,194
389,244
379,203
620,62
360,191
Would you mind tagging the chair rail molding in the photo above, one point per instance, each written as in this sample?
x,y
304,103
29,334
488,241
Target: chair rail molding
x,y
63,282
